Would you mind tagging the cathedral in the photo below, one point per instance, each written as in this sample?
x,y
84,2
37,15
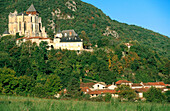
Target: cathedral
x,y
29,25
26,23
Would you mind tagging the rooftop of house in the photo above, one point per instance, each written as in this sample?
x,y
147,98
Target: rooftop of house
x,y
104,91
123,81
85,89
141,89
32,38
136,84
154,84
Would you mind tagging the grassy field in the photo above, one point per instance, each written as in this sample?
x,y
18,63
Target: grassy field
x,y
12,103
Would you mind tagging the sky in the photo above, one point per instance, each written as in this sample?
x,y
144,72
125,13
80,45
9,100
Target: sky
x,y
149,14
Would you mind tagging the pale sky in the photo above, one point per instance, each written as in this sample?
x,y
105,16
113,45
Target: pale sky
x,y
150,14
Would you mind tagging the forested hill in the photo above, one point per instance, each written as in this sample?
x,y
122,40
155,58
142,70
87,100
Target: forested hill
x,y
29,69
88,18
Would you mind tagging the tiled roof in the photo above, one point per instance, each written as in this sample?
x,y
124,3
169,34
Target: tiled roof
x,y
141,89
167,84
21,38
154,84
122,81
85,89
63,91
32,38
90,84
136,84
128,44
103,91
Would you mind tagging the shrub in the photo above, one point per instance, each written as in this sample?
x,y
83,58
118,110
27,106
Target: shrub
x,y
154,95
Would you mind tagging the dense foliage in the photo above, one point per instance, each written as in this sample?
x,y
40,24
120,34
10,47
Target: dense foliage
x,y
88,19
126,93
33,70
49,71
154,95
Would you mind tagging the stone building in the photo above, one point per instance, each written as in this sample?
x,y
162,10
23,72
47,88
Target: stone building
x,y
26,23
67,39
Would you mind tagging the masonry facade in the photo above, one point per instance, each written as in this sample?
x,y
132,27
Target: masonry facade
x,y
26,23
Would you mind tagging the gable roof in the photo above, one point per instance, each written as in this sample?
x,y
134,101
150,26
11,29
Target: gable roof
x,y
103,91
141,89
136,84
154,84
85,89
122,81
31,8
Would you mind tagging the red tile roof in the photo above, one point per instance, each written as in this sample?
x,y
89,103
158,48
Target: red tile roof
x,y
123,81
103,91
85,89
32,38
21,38
167,84
154,84
63,91
141,89
136,84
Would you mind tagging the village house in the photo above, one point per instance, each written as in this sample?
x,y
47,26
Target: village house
x,y
66,39
103,92
99,85
154,84
140,91
111,86
124,82
101,89
136,86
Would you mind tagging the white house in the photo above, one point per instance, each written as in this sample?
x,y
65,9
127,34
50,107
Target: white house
x,y
111,86
99,85
136,86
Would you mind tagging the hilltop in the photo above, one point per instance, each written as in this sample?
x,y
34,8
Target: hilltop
x,y
87,20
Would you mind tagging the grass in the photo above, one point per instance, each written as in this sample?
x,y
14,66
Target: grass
x,y
17,103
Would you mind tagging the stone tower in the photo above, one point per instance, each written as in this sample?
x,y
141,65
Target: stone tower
x,y
26,23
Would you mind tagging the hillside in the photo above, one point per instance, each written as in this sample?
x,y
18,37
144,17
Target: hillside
x,y
29,69
89,19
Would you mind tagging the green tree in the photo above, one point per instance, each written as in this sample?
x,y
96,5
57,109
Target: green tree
x,y
154,95
52,84
126,93
73,89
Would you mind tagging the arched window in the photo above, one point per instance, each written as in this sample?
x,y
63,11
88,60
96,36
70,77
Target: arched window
x,y
31,19
20,26
32,27
25,26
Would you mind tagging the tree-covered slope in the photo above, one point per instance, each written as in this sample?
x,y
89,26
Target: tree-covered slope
x,y
86,18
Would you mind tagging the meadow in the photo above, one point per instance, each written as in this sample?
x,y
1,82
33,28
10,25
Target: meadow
x,y
17,103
